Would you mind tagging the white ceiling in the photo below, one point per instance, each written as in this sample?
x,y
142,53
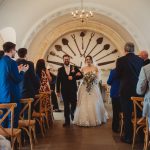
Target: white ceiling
x,y
19,15
1,1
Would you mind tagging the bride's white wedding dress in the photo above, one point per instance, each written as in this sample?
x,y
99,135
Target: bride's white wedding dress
x,y
90,110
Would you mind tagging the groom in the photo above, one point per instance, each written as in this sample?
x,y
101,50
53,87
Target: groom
x,y
66,83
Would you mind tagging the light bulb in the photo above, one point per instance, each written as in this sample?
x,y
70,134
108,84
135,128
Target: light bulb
x,y
83,11
81,16
74,15
77,12
91,13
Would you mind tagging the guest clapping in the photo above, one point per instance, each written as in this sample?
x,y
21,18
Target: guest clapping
x,y
10,77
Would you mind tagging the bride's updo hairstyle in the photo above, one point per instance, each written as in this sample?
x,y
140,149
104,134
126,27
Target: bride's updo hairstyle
x,y
88,56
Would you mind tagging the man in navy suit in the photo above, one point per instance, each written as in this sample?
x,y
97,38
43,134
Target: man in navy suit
x,y
128,68
10,77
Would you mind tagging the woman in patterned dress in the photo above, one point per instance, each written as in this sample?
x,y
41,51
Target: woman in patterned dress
x,y
44,77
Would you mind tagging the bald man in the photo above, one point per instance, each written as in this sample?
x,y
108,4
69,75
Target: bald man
x,y
144,55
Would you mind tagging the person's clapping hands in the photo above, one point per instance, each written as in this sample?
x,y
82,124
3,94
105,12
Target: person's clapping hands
x,y
23,68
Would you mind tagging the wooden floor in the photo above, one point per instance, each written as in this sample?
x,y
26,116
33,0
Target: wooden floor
x,y
81,138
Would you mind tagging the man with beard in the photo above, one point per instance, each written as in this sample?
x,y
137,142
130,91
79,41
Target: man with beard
x,y
66,79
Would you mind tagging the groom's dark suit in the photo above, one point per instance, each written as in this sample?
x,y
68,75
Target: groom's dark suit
x,y
68,90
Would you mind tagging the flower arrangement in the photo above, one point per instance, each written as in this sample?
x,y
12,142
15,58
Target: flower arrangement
x,y
89,79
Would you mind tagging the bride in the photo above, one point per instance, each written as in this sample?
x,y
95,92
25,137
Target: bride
x,y
90,110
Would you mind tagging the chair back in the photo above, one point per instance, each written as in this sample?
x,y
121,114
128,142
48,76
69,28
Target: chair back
x,y
6,110
40,102
137,106
25,113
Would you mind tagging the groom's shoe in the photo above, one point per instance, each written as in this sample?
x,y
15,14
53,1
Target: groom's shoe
x,y
126,140
66,125
72,117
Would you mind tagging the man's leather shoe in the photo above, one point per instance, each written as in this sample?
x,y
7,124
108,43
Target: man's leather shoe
x,y
116,131
66,125
126,140
58,110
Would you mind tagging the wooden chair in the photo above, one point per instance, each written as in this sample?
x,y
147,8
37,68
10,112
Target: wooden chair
x,y
48,110
137,125
27,124
13,133
38,114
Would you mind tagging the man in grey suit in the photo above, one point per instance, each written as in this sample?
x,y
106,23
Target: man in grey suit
x,y
143,88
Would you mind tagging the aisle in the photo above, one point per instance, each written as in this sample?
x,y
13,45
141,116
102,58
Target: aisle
x,y
76,138
80,138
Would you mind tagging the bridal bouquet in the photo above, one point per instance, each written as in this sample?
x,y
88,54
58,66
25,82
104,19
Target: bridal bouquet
x,y
89,79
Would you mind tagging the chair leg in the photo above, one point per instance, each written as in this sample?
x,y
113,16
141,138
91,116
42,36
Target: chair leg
x,y
146,141
47,122
30,137
19,141
34,134
134,133
51,116
41,126
12,143
29,133
13,139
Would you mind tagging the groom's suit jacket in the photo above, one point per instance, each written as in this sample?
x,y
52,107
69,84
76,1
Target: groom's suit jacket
x,y
68,88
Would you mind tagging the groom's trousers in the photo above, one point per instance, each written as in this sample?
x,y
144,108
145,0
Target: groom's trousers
x,y
69,108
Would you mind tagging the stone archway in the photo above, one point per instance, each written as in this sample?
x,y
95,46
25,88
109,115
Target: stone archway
x,y
106,21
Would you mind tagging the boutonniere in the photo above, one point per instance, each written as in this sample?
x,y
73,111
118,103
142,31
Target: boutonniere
x,y
73,69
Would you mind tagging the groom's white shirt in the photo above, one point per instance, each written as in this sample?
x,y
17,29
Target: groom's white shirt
x,y
67,69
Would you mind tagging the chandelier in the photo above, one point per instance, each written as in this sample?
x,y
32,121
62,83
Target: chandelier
x,y
82,13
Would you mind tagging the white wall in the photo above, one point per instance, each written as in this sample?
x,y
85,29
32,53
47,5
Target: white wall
x,y
23,14
8,34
